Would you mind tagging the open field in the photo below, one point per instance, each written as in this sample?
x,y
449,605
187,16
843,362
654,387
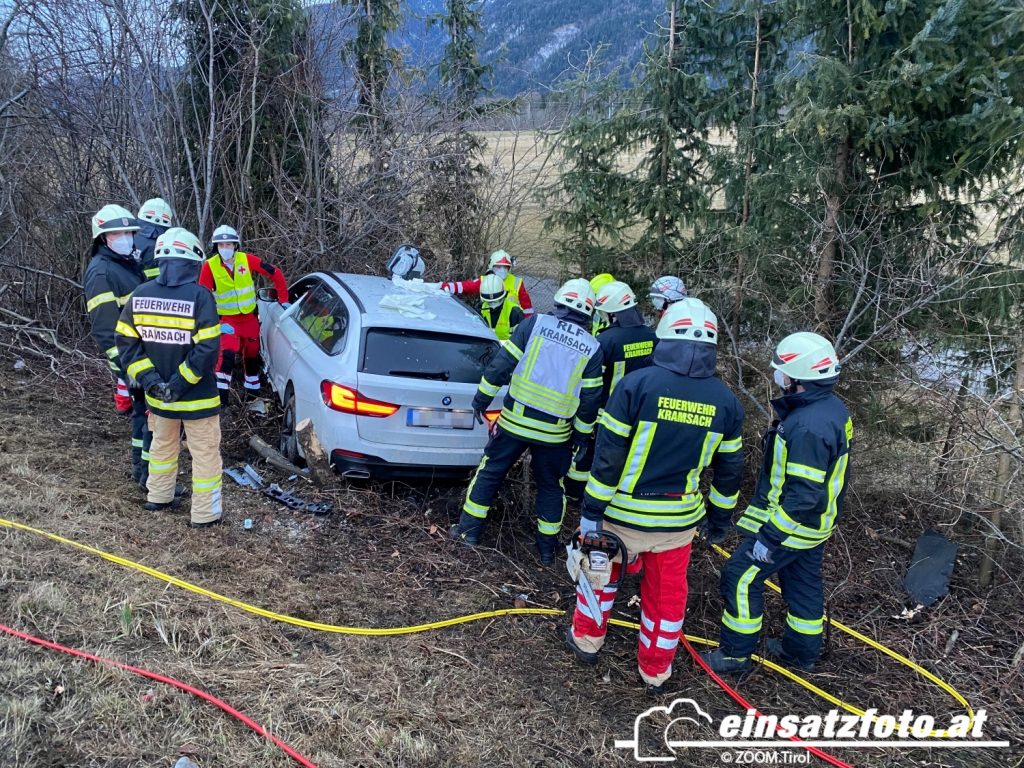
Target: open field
x,y
498,692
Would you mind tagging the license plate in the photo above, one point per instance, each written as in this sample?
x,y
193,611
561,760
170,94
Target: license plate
x,y
439,418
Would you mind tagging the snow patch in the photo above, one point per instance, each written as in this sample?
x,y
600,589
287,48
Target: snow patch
x,y
560,38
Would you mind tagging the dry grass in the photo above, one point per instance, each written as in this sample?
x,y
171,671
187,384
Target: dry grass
x,y
495,693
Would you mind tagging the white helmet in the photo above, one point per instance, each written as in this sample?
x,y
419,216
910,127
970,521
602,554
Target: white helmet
x,y
667,290
576,294
689,320
501,259
113,218
178,243
407,262
225,234
615,297
156,211
806,356
492,291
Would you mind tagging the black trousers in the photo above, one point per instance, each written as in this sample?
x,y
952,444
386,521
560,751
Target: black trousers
x,y
141,436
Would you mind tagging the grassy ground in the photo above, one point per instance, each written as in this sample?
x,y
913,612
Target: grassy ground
x,y
501,692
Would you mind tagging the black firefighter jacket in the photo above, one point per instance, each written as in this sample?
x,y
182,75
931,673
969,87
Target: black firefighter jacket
x,y
109,281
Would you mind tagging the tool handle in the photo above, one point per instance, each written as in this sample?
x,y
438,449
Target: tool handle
x,y
606,541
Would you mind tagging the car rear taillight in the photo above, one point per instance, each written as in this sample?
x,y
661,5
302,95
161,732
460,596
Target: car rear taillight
x,y
492,416
348,400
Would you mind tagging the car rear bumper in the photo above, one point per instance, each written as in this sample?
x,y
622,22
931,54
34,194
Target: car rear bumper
x,y
364,466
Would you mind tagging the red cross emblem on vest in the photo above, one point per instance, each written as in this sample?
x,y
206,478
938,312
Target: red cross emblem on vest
x,y
241,270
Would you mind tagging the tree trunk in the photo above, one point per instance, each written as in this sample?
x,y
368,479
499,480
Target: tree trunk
x,y
666,139
944,483
830,253
316,459
1003,471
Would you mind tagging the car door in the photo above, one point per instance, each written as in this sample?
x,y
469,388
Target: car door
x,y
283,339
318,337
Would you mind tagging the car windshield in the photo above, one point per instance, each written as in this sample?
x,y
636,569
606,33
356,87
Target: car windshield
x,y
423,355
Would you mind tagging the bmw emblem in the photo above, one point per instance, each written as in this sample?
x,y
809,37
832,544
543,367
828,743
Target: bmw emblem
x,y
446,400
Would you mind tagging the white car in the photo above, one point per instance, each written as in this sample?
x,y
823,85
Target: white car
x,y
389,394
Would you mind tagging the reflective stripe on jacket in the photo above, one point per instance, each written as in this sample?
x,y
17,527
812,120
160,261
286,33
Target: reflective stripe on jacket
x,y
802,484
235,292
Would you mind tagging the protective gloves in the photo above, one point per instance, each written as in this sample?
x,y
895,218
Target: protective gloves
x,y
761,553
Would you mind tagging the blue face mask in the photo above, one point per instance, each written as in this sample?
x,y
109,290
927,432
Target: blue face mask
x,y
780,379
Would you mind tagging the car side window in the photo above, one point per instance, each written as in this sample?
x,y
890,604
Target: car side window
x,y
324,318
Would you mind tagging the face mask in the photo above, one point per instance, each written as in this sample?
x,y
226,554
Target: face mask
x,y
122,245
658,302
780,379
500,272
226,254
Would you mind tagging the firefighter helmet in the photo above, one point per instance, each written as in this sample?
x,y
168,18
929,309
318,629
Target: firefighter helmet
x,y
597,282
225,234
113,218
156,211
501,259
576,294
178,243
806,356
689,320
615,297
666,291
492,291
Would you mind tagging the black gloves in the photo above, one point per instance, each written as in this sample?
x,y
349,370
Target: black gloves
x,y
478,414
162,391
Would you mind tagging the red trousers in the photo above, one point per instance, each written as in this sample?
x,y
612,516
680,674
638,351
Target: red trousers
x,y
663,591
244,343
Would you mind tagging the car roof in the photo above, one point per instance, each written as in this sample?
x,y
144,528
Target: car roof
x,y
450,315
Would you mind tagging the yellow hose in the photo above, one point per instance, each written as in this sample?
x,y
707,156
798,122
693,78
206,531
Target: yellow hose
x,y
389,631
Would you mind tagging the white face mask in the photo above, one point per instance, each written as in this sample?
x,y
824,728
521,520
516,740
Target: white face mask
x,y
122,245
226,253
501,272
781,379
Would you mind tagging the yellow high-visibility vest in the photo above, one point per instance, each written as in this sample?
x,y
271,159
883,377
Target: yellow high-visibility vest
x,y
235,293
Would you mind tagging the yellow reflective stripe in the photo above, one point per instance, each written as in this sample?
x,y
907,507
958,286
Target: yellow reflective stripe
x,y
681,521
206,484
124,329
543,398
618,371
612,424
804,626
575,474
638,452
111,352
163,467
512,349
591,383
777,473
533,429
474,509
151,272
781,520
806,472
487,388
599,490
743,616
188,374
583,427
122,300
184,405
99,300
743,626
163,321
731,446
707,451
546,528
721,500
206,333
139,366
835,488
747,524
685,503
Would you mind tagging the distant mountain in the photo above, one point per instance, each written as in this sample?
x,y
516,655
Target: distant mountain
x,y
532,44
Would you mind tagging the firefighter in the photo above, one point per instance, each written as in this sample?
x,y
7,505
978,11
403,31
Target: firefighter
x,y
597,282
663,425
666,291
626,344
229,275
407,263
168,336
155,217
553,367
499,308
796,505
500,263
110,278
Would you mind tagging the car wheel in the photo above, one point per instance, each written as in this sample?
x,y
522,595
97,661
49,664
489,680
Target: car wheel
x,y
288,443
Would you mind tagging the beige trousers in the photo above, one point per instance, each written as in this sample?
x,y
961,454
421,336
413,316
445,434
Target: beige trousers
x,y
203,437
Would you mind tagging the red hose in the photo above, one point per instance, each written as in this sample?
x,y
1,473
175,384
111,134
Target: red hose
x,y
735,696
167,681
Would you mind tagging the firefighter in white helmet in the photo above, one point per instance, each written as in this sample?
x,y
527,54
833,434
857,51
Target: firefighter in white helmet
x,y
553,368
666,291
229,275
169,335
796,505
111,276
499,263
663,426
626,343
155,218
499,309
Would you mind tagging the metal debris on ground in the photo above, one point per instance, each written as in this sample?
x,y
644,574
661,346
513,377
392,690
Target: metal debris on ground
x,y
258,406
247,477
290,500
